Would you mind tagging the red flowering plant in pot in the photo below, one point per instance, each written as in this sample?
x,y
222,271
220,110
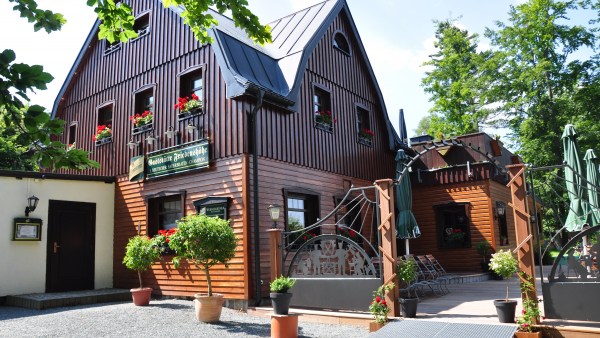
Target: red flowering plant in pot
x,y
531,313
366,134
140,253
188,105
103,133
143,119
325,119
379,307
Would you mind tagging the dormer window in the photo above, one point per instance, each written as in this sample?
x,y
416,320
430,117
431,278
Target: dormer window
x,y
142,25
341,43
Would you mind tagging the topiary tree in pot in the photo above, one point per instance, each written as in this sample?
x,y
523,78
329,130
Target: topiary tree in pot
x,y
406,269
140,253
506,265
204,242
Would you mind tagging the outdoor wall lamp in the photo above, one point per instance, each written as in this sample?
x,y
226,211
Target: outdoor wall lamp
x,y
274,214
500,209
170,132
132,144
31,205
190,128
151,139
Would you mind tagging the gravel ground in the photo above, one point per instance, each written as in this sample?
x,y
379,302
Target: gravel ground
x,y
163,318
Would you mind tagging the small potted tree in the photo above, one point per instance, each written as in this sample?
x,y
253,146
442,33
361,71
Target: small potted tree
x,y
140,253
379,307
505,264
204,241
280,297
407,273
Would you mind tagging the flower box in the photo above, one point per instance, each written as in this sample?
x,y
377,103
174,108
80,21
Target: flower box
x,y
324,126
103,141
142,128
190,113
365,141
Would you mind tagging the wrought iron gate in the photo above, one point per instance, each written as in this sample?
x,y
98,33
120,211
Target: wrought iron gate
x,y
336,261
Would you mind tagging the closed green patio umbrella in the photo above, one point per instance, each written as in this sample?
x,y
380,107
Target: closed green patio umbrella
x,y
406,224
593,182
576,217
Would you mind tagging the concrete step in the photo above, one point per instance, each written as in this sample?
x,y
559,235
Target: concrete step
x,y
470,278
40,301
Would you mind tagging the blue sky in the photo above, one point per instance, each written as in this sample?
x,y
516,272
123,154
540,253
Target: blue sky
x,y
398,36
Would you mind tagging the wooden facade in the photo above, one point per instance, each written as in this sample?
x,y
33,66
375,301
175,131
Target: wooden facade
x,y
293,153
442,178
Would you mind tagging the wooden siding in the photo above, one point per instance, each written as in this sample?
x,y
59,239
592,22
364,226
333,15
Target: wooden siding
x,y
224,180
477,194
283,136
274,176
500,192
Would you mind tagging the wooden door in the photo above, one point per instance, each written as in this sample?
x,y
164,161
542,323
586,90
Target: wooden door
x,y
71,239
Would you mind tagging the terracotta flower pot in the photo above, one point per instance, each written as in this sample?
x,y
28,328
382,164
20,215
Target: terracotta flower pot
x,y
374,326
528,334
141,297
208,308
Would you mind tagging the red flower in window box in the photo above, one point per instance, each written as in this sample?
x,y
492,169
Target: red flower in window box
x,y
139,120
325,117
185,104
102,132
366,134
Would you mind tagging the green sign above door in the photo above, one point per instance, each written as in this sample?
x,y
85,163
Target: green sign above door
x,y
181,159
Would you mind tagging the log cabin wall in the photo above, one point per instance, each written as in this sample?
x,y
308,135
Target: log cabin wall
x,y
425,198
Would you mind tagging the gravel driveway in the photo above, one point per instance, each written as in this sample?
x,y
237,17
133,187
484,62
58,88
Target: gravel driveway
x,y
163,318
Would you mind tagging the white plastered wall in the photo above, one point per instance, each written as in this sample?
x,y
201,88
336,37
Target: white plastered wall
x,y
23,264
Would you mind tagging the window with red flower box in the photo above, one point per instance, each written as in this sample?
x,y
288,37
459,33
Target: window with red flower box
x,y
143,117
453,226
103,133
363,126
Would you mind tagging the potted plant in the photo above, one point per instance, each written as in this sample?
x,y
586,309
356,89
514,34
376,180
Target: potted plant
x,y
142,121
406,270
379,307
280,298
505,264
204,241
484,249
365,135
103,134
188,106
531,311
140,253
324,120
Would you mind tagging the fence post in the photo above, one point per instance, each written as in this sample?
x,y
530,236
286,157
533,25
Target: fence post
x,y
388,242
275,252
523,233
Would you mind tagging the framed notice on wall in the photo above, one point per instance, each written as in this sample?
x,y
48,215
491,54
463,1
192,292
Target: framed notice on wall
x,y
27,229
213,206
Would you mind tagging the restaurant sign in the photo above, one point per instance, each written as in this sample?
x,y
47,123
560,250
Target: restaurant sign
x,y
168,162
136,168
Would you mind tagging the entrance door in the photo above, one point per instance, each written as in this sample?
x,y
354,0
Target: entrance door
x,y
71,238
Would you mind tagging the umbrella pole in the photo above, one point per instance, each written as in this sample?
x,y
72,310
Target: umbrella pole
x,y
406,246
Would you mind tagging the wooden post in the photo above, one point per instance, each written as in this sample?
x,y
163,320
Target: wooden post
x,y
275,252
388,242
523,232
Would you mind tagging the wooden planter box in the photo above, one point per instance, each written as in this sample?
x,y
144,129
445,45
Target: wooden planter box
x,y
365,141
103,141
324,126
143,128
190,113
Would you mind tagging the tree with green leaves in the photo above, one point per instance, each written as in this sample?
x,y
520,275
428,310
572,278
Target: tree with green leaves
x,y
28,137
456,82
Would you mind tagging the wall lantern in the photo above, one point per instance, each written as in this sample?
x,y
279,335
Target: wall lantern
x,y
151,139
132,144
31,205
500,209
190,128
274,210
170,132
